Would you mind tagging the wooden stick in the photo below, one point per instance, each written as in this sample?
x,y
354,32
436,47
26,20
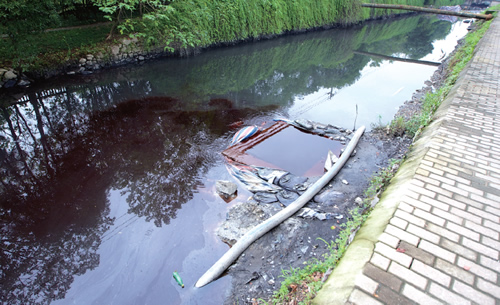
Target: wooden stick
x,y
246,240
427,10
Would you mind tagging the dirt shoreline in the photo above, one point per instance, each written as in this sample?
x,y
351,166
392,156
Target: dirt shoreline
x,y
257,272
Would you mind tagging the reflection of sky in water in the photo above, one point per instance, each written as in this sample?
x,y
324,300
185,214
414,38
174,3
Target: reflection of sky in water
x,y
378,92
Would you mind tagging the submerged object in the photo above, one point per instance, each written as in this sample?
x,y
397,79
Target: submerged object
x,y
243,134
178,279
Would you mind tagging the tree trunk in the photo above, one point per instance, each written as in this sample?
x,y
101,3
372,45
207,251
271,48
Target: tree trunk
x,y
427,10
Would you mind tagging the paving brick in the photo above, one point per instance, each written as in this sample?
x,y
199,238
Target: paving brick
x,y
492,225
455,190
422,172
418,204
438,190
428,180
447,296
416,253
437,251
390,297
486,201
407,275
489,263
492,210
380,261
398,222
463,231
422,233
389,240
421,191
410,218
457,178
418,296
443,232
435,160
361,298
473,201
458,249
455,271
431,169
489,288
465,215
429,217
472,294
402,234
477,269
480,248
392,254
483,230
493,197
405,207
484,214
433,274
436,203
490,242
382,277
366,284
447,216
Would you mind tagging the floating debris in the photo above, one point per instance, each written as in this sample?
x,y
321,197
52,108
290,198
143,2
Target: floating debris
x,y
243,134
178,279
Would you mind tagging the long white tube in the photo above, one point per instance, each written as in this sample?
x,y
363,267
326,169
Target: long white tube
x,y
246,240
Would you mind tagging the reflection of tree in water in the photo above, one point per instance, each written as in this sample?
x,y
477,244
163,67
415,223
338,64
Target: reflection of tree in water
x,y
58,164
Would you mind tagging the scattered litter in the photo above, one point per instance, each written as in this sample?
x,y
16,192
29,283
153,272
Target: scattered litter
x,y
310,213
178,279
345,182
331,159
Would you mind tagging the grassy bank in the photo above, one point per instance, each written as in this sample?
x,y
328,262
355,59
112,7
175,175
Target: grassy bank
x,y
193,23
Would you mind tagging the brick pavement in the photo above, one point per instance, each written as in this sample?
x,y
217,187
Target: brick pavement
x,y
434,237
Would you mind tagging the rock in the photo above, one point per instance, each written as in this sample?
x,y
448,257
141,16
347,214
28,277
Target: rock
x,y
82,61
345,182
10,83
358,201
226,188
240,219
9,75
90,57
329,196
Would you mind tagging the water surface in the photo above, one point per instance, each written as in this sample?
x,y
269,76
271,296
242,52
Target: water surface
x,y
108,179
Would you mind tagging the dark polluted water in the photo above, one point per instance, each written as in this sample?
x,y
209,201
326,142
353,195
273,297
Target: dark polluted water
x,y
108,179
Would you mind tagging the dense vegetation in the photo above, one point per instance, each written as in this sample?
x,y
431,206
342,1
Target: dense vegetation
x,y
170,24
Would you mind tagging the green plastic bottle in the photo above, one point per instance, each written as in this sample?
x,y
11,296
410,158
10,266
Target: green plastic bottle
x,y
178,279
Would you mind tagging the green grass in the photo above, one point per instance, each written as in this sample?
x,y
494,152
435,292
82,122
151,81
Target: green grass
x,y
50,48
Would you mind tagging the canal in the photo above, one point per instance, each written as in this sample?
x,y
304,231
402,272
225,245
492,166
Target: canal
x,y
108,179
